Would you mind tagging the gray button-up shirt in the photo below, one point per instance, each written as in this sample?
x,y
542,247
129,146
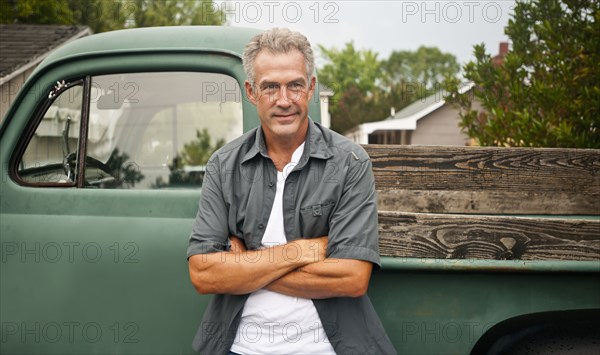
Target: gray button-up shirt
x,y
330,191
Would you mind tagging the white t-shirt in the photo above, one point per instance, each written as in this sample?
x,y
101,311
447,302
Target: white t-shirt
x,y
273,323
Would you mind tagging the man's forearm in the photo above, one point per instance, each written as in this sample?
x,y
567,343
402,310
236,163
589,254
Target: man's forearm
x,y
325,279
247,271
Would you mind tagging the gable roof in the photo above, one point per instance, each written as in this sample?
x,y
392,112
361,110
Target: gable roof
x,y
406,119
23,46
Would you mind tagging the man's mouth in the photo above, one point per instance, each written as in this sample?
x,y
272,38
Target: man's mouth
x,y
284,115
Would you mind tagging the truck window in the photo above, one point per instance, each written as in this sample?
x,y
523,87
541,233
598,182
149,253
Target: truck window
x,y
50,155
145,130
157,130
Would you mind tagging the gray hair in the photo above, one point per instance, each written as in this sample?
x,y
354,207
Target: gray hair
x,y
277,40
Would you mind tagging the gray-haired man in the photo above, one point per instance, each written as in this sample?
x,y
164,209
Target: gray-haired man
x,y
289,252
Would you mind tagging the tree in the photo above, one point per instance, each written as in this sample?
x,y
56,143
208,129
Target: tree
x,y
121,173
195,154
427,66
348,68
176,12
365,88
108,15
39,12
547,91
199,150
352,109
353,76
100,15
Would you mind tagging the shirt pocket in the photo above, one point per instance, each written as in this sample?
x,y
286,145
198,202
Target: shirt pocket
x,y
314,220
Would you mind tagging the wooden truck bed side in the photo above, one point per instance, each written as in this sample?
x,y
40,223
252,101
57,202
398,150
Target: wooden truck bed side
x,y
472,237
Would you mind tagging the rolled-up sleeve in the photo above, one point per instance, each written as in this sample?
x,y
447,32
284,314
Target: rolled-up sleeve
x,y
210,230
353,232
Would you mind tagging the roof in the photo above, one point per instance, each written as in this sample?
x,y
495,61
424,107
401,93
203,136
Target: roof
x,y
420,106
324,90
231,40
24,46
406,119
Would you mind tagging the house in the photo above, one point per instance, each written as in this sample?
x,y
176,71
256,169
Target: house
x,y
324,94
22,48
428,121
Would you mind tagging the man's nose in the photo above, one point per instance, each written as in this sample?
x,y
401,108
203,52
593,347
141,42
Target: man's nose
x,y
282,98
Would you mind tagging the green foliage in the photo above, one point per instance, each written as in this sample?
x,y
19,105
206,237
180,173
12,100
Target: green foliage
x,y
194,154
108,15
176,13
198,151
352,109
30,11
122,172
547,91
350,68
427,66
366,88
353,76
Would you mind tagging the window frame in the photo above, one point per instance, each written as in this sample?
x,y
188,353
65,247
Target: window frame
x,y
29,132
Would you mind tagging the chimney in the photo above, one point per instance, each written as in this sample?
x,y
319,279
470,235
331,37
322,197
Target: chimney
x,y
392,112
499,58
503,49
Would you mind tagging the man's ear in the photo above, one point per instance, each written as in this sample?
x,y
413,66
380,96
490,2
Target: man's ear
x,y
311,87
250,92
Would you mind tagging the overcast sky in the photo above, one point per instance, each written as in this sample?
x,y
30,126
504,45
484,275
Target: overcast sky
x,y
383,26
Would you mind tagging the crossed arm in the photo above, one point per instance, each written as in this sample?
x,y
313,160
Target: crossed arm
x,y
298,268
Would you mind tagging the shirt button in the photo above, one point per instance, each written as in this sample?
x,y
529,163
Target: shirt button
x,y
261,226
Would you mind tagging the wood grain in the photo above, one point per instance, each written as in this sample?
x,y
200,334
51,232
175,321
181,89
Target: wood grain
x,y
487,180
487,202
445,236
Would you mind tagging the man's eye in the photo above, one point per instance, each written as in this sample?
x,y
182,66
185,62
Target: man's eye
x,y
295,86
270,89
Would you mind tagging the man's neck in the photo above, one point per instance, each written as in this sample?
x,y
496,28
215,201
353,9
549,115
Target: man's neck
x,y
281,150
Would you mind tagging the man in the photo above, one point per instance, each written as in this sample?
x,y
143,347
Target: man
x,y
286,232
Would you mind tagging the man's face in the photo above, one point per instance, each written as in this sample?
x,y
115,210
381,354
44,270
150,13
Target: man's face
x,y
281,93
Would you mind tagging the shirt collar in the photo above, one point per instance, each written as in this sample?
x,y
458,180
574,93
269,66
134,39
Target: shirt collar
x,y
258,147
315,145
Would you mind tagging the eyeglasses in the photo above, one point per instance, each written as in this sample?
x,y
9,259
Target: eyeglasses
x,y
293,90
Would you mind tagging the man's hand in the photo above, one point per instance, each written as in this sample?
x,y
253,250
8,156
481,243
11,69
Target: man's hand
x,y
311,250
237,245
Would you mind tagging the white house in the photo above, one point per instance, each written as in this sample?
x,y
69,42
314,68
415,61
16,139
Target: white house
x,y
324,94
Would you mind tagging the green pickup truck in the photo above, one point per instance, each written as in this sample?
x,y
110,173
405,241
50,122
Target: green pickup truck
x,y
102,156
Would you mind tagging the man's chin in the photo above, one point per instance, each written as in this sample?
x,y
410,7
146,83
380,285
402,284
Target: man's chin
x,y
286,131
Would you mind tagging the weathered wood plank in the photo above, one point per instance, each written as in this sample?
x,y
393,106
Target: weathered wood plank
x,y
486,202
553,181
444,236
